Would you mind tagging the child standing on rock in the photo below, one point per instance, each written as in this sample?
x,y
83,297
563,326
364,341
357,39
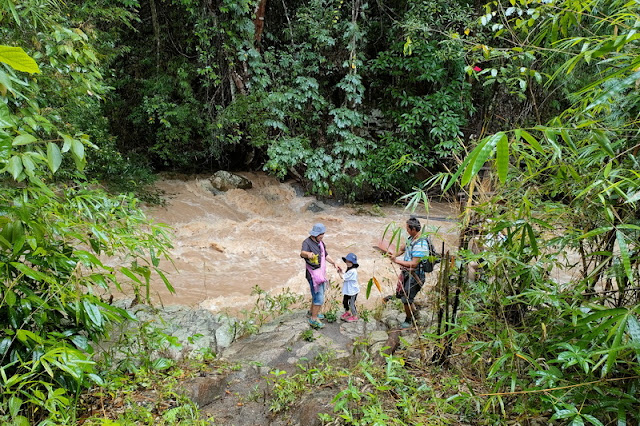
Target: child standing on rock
x,y
350,289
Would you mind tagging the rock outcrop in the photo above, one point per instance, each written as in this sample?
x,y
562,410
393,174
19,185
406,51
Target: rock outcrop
x,y
224,181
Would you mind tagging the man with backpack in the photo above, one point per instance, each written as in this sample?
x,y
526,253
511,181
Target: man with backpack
x,y
414,265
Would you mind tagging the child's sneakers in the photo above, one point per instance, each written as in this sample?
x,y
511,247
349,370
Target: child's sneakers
x,y
344,316
351,318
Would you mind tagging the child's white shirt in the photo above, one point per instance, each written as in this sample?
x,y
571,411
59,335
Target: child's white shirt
x,y
350,286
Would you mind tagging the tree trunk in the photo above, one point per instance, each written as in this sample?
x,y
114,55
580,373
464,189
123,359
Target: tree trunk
x,y
156,30
261,9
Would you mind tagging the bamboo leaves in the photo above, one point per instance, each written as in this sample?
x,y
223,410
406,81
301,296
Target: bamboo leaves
x,y
479,156
502,154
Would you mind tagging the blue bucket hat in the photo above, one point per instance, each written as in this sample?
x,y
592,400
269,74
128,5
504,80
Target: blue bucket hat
x,y
351,258
317,229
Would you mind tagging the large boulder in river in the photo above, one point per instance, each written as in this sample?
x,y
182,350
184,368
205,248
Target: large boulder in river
x,y
224,181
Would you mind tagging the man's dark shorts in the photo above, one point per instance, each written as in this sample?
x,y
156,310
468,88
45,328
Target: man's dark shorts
x,y
411,283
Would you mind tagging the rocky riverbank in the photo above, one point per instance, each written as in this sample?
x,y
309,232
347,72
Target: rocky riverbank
x,y
241,395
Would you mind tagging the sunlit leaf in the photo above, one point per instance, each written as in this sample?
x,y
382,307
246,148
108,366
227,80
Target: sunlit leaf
x,y
502,155
24,139
18,59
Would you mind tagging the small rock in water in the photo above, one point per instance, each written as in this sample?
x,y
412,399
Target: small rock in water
x,y
314,207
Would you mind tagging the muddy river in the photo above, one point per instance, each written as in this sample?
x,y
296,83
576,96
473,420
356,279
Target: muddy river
x,y
226,244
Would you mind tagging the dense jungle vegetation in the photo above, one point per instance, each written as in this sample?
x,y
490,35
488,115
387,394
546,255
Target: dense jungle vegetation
x,y
359,100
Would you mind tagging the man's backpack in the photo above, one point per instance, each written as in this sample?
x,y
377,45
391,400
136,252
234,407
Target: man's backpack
x,y
426,265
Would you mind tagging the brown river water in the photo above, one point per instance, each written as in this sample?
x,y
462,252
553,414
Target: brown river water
x,y
226,244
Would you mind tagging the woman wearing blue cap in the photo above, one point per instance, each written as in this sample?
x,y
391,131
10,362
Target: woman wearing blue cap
x,y
316,257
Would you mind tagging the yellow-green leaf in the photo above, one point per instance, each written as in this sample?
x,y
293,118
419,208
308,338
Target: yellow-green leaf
x,y
24,139
18,59
502,157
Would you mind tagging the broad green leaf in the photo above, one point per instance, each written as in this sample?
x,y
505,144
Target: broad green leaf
x,y
5,146
45,364
533,242
54,156
161,364
9,298
20,420
24,139
68,140
567,139
622,416
96,379
600,314
29,165
88,259
628,226
633,198
601,139
502,154
18,59
93,312
5,344
592,420
77,148
563,414
457,174
15,167
81,342
14,405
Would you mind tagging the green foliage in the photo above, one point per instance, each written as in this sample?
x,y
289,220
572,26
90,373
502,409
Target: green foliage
x,y
265,308
55,236
316,93
125,398
567,204
139,347
308,336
